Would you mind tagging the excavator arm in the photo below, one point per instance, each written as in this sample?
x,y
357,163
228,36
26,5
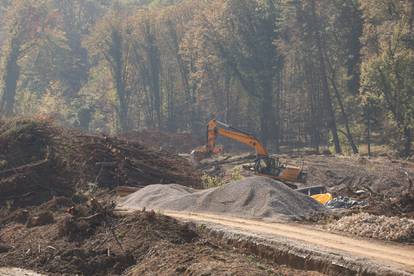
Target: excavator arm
x,y
216,128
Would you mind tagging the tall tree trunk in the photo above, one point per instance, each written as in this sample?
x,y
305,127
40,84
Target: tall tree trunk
x,y
277,121
227,84
314,106
408,141
184,76
344,117
368,118
123,105
117,61
10,79
169,86
329,107
266,112
324,79
154,64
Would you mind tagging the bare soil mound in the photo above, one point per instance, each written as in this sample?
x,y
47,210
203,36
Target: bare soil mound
x,y
39,160
253,197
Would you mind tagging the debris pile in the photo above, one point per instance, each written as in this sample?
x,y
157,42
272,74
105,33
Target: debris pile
x,y
89,241
171,142
39,160
252,197
378,227
341,202
401,205
384,184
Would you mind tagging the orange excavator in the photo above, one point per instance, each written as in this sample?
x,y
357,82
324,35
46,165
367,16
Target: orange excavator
x,y
263,165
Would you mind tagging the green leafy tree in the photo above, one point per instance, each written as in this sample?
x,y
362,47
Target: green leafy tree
x,y
388,69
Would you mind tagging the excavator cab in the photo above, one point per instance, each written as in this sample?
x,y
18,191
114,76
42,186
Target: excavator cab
x,y
273,168
267,165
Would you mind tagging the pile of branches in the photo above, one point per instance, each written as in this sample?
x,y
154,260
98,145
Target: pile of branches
x,y
171,142
383,203
39,160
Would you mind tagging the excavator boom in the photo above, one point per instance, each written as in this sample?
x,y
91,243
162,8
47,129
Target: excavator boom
x,y
216,128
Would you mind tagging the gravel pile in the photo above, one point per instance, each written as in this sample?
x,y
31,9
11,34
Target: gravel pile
x,y
378,227
253,197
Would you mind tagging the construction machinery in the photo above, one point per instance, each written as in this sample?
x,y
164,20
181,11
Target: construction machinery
x,y
264,164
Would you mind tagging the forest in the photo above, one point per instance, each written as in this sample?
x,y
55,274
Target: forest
x,y
320,75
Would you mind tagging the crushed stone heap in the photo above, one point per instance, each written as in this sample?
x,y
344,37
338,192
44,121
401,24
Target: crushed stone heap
x,y
252,197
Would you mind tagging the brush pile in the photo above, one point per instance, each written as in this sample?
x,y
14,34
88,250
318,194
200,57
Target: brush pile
x,y
171,142
39,160
378,227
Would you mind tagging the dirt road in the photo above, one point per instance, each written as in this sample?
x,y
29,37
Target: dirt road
x,y
390,254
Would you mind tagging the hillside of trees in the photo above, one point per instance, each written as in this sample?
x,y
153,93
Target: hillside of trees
x,y
316,74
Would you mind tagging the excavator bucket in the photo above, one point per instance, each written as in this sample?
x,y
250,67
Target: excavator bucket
x,y
202,152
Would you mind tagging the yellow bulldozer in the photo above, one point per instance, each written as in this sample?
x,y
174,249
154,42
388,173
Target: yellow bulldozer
x,y
264,164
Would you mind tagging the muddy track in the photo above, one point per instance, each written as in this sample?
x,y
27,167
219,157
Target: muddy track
x,y
396,259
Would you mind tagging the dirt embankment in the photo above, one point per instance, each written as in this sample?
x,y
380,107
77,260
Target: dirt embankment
x,y
92,240
306,247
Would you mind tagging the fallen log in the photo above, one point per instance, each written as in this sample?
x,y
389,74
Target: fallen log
x,y
239,160
24,168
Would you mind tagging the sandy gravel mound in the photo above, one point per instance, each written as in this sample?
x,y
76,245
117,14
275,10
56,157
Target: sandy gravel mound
x,y
253,197
378,227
